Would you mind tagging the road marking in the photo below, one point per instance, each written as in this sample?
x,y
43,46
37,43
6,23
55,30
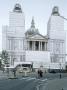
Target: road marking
x,y
31,79
28,78
44,80
42,84
40,81
22,78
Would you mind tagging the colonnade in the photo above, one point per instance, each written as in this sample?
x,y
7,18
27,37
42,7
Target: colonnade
x,y
37,45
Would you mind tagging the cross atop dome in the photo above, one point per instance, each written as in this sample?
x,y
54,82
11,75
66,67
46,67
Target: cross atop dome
x,y
55,11
17,8
32,23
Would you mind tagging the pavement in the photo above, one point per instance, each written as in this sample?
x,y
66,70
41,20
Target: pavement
x,y
28,83
3,75
56,84
31,82
24,83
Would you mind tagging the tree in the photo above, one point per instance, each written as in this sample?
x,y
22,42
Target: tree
x,y
66,67
4,57
0,62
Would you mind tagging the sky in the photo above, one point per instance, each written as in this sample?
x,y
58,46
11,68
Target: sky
x,y
40,9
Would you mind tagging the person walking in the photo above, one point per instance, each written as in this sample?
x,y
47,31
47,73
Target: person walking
x,y
60,75
38,73
14,71
41,73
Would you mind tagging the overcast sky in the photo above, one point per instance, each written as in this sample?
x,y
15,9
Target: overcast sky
x,y
40,9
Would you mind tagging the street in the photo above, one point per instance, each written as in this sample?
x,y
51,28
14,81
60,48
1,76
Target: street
x,y
49,81
27,83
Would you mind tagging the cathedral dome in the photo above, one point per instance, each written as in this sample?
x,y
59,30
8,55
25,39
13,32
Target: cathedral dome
x,y
31,32
32,29
17,8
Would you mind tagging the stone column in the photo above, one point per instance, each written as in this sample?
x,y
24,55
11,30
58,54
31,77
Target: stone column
x,y
19,44
39,45
34,45
46,46
27,45
10,60
10,44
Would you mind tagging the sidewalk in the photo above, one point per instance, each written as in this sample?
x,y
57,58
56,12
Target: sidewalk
x,y
56,84
3,75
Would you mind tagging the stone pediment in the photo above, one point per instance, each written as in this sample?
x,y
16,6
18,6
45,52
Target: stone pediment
x,y
37,36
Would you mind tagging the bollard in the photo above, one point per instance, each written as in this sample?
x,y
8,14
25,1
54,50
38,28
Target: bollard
x,y
25,73
37,88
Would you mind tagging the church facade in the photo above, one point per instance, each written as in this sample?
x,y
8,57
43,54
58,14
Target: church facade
x,y
32,47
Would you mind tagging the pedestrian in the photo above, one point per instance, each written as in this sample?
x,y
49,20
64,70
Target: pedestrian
x,y
60,75
38,73
14,71
3,69
41,73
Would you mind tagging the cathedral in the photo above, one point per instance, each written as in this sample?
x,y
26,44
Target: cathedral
x,y
29,46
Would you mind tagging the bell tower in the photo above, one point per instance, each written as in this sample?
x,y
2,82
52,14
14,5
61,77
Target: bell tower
x,y
57,37
17,20
16,35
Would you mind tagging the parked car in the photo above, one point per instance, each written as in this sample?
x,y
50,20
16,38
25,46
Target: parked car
x,y
52,71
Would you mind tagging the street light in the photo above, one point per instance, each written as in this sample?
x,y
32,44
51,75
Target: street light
x,y
60,69
49,68
14,60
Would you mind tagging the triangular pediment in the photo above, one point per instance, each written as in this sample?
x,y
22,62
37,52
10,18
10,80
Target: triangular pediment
x,y
37,36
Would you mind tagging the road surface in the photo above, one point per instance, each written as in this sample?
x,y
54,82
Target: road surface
x,y
27,83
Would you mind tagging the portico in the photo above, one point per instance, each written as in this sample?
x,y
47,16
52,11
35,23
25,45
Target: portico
x,y
37,45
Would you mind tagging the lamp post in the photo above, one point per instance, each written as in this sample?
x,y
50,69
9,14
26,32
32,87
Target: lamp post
x,y
13,60
60,69
49,68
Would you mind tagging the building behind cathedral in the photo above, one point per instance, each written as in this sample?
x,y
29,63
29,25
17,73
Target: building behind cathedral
x,y
32,47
